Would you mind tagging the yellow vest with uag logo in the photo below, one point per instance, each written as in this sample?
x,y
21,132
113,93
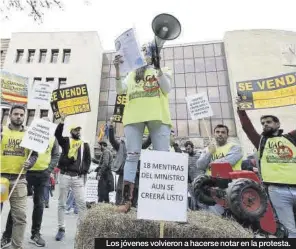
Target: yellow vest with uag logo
x,y
145,100
221,152
278,161
43,160
12,155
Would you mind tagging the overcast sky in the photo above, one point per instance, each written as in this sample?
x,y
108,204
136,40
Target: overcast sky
x,y
201,20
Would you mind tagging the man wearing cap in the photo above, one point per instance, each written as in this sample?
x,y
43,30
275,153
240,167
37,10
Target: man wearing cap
x,y
74,163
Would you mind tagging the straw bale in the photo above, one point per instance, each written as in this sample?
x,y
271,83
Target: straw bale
x,y
102,221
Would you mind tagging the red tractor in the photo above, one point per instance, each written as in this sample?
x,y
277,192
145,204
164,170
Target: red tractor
x,y
243,197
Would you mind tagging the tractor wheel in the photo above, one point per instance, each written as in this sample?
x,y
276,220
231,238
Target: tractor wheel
x,y
200,190
247,200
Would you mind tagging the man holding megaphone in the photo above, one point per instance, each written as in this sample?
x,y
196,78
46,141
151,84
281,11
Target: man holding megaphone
x,y
147,90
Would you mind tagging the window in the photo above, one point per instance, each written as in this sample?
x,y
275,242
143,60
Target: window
x,y
170,65
42,55
112,71
106,68
218,48
104,84
106,59
49,80
37,80
112,98
110,112
54,56
199,65
222,78
209,50
172,96
210,64
179,80
112,84
102,113
178,53
31,114
62,82
43,113
190,80
198,51
180,95
189,65
103,98
66,55
216,107
168,53
31,54
173,111
221,63
231,126
193,126
224,94
4,116
182,128
190,91
200,79
212,79
227,111
179,66
188,52
181,111
19,55
214,96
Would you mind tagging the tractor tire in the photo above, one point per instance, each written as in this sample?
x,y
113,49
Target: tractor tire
x,y
246,199
201,193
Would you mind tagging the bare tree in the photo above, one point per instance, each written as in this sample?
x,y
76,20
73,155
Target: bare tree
x,y
34,8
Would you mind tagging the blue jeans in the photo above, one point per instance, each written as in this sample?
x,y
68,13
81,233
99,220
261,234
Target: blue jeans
x,y
283,200
160,137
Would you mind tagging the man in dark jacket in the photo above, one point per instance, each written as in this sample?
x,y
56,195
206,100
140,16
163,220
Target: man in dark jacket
x,y
119,162
74,163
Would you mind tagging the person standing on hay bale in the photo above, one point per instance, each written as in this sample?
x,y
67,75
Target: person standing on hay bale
x,y
147,90
119,161
74,163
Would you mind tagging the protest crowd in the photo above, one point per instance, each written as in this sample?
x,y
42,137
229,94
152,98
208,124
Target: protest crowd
x,y
67,164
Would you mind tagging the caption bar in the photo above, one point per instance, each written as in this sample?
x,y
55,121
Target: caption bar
x,y
192,243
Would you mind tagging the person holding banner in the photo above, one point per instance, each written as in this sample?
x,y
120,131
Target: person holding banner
x,y
222,151
147,91
15,161
74,164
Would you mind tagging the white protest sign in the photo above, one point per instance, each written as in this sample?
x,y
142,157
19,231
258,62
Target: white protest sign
x,y
41,94
38,135
91,189
163,186
199,106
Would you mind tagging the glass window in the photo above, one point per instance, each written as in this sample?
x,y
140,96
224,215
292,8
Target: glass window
x,y
172,96
193,126
224,94
223,78
173,111
106,68
189,65
190,91
62,82
106,59
215,122
181,111
49,80
43,113
205,128
104,84
30,117
112,71
170,65
178,53
210,64
209,50
227,110
102,113
202,90
112,84
218,48
200,79
168,53
180,80
182,128
19,55
212,79
4,116
110,112
198,51
190,80
216,107
214,94
231,126
37,80
188,52
103,98
199,65
179,66
42,55
180,95
54,56
221,63
112,98
66,55
31,54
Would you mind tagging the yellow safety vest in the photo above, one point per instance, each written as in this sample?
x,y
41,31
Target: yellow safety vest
x,y
278,161
222,151
43,160
145,100
12,155
74,146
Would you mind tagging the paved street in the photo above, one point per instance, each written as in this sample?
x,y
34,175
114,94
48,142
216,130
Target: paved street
x,y
49,225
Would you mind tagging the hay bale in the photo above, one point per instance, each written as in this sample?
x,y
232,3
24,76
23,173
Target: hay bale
x,y
102,221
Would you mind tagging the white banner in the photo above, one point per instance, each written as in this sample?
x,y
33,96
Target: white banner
x,y
38,135
163,186
199,106
91,190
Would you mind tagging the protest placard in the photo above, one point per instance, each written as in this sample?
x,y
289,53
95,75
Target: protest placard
x,y
14,89
91,188
163,186
119,108
199,106
269,92
70,100
41,95
38,135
